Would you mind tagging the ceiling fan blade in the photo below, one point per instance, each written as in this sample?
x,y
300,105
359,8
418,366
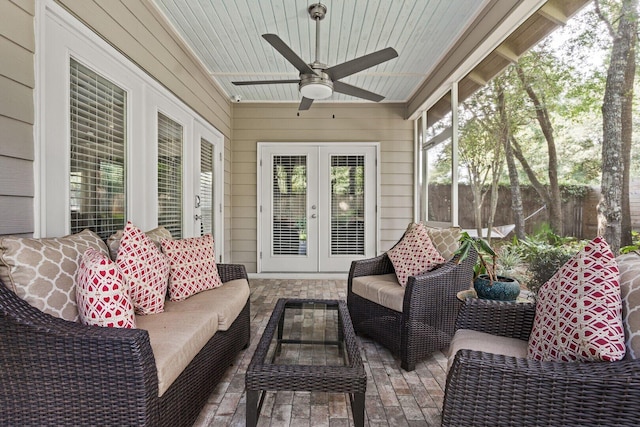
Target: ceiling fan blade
x,y
362,63
305,104
348,89
264,82
288,54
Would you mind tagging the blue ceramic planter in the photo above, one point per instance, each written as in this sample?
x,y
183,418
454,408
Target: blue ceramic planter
x,y
502,289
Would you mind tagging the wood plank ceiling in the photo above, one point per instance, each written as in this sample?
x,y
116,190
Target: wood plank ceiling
x,y
226,36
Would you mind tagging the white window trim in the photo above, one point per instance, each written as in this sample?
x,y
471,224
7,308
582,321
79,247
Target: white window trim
x,y
59,35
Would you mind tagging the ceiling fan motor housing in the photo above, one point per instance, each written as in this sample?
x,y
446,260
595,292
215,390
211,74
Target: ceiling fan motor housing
x,y
317,11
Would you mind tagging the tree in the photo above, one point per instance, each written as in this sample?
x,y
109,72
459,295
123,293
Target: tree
x,y
616,123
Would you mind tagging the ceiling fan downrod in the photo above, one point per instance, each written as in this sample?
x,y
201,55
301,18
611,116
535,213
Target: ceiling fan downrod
x,y
317,12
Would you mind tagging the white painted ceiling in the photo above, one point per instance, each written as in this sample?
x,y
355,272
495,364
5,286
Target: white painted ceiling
x,y
226,36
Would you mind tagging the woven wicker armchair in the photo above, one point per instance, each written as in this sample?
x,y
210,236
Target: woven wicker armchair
x,y
485,389
429,310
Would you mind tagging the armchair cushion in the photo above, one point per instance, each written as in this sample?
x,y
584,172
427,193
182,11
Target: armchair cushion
x,y
414,254
446,240
382,289
481,341
629,265
579,310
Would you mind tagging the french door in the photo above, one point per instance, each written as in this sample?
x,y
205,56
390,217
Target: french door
x,y
317,206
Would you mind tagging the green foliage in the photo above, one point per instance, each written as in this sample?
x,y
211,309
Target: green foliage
x,y
635,246
545,253
487,258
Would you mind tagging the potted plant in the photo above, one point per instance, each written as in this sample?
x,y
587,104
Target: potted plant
x,y
487,283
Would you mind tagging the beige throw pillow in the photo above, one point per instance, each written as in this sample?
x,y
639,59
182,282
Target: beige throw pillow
x,y
43,271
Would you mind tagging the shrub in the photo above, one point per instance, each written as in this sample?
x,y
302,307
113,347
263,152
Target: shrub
x,y
544,262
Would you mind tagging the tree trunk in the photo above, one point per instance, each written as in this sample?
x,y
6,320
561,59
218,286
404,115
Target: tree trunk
x,y
627,136
542,115
514,180
610,206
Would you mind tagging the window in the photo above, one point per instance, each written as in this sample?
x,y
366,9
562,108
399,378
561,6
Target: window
x,y
97,170
170,135
206,187
347,205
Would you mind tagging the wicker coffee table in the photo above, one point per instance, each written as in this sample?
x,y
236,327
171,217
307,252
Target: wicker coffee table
x,y
308,345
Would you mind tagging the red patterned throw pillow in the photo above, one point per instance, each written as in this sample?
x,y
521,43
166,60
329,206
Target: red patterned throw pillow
x,y
102,294
145,268
579,310
414,254
193,266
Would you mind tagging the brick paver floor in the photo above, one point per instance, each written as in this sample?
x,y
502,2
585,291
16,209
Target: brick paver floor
x,y
394,397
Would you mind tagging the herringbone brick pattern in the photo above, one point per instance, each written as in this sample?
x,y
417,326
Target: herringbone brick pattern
x,y
394,397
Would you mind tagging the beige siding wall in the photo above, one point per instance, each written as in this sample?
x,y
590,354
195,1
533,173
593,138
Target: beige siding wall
x,y
17,47
383,123
138,30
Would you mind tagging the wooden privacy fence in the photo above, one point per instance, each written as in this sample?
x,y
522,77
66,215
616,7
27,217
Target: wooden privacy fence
x,y
579,212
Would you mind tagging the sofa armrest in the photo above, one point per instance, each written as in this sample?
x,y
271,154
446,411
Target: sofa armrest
x,y
232,272
516,391
507,319
56,372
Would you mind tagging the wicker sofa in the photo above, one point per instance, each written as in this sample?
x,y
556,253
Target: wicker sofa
x,y
59,372
425,321
490,389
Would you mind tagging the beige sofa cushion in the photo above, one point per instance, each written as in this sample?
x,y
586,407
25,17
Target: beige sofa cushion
x,y
176,338
227,301
43,271
178,334
481,341
382,289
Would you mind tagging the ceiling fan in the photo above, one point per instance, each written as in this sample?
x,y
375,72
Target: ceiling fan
x,y
317,81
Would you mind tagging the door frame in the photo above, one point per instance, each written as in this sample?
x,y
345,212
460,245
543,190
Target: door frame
x,y
259,197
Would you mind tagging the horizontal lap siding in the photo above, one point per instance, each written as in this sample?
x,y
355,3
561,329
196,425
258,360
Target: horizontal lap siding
x,y
383,123
17,47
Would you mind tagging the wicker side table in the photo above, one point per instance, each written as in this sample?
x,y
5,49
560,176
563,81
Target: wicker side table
x,y
308,345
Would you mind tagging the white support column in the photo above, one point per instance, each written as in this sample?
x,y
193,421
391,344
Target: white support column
x,y
454,154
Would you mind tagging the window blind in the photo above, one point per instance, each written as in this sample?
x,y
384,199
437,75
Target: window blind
x,y
347,205
206,187
170,136
98,139
289,205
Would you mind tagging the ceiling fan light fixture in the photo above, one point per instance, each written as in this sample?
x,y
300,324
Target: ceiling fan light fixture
x,y
316,91
316,87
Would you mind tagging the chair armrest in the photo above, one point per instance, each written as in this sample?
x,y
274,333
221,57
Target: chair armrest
x,y
57,372
530,392
369,267
229,272
507,319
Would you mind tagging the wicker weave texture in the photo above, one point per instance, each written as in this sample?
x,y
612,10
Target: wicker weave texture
x,y
430,307
484,389
56,372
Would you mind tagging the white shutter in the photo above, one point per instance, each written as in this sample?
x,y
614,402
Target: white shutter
x,y
347,205
170,137
98,137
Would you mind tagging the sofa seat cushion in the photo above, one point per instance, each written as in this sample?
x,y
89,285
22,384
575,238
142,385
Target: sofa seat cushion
x,y
481,341
176,338
382,289
227,301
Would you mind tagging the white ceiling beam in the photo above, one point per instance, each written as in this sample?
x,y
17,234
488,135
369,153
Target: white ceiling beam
x,y
507,53
553,13
475,77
